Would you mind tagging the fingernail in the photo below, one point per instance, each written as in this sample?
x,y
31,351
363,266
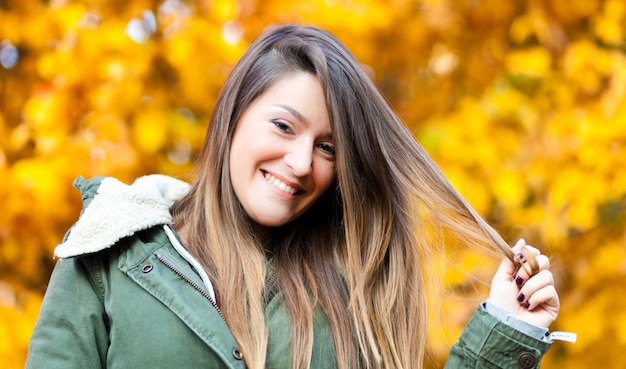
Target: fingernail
x,y
527,305
519,280
521,297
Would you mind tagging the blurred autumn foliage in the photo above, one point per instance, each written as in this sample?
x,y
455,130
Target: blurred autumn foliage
x,y
520,102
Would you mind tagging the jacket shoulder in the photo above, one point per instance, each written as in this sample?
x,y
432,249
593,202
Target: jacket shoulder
x,y
113,210
88,188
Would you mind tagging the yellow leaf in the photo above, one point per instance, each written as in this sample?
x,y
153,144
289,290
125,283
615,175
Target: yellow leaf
x,y
582,213
225,10
608,30
620,328
150,130
533,62
509,187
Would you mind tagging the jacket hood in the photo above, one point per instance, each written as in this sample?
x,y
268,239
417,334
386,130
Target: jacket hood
x,y
113,210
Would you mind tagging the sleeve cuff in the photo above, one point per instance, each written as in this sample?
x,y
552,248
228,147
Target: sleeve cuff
x,y
503,315
489,343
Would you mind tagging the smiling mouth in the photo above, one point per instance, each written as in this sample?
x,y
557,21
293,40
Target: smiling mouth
x,y
280,184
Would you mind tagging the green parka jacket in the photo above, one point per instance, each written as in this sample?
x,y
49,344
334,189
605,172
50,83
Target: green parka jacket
x,y
123,297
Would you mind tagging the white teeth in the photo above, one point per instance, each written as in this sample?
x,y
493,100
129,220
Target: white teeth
x,y
279,184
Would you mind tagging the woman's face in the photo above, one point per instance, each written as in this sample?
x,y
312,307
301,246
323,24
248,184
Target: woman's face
x,y
282,152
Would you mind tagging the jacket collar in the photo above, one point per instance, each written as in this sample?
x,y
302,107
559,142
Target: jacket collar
x,y
113,210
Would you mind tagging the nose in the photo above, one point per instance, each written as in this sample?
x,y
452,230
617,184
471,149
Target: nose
x,y
299,157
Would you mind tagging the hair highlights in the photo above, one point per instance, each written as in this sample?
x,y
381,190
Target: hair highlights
x,y
361,251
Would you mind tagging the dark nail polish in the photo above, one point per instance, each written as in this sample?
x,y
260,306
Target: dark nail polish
x,y
521,297
527,305
519,281
520,256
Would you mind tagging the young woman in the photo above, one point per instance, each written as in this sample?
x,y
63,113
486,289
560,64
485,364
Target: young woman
x,y
303,241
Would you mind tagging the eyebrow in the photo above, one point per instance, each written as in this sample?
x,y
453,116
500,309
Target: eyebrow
x,y
296,114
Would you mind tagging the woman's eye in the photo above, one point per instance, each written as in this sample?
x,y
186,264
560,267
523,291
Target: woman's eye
x,y
327,148
282,126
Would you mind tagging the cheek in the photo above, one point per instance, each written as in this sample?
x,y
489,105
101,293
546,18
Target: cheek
x,y
326,176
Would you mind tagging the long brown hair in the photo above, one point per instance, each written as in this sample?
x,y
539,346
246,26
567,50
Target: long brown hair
x,y
361,252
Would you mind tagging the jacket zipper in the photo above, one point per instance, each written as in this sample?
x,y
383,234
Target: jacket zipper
x,y
192,283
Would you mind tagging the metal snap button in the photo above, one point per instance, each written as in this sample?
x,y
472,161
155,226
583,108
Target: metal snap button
x,y
527,360
147,268
237,355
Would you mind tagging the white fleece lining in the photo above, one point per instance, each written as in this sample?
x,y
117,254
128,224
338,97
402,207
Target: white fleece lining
x,y
119,210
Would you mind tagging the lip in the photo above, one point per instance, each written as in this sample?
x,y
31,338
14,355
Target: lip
x,y
299,189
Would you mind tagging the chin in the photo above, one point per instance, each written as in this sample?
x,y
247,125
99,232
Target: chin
x,y
271,222
274,219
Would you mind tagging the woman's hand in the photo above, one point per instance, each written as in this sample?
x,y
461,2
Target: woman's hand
x,y
533,299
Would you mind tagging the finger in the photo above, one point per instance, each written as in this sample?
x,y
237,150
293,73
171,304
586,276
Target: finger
x,y
525,254
534,284
534,250
507,268
546,296
524,273
518,245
